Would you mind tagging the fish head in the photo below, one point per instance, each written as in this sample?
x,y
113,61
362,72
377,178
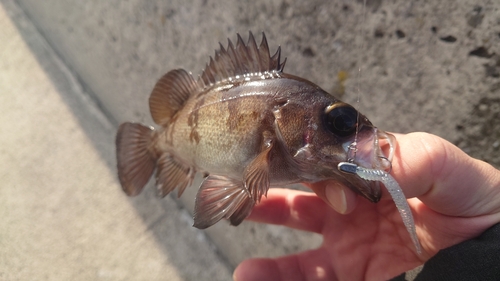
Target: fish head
x,y
321,133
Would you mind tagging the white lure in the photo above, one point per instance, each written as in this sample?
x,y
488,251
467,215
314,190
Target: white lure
x,y
394,189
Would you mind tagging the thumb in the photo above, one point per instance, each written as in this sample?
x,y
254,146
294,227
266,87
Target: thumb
x,y
444,178
339,197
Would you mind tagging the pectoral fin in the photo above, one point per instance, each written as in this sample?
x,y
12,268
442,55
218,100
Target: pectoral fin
x,y
221,197
256,174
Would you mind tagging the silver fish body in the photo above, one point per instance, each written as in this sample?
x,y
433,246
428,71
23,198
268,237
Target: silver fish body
x,y
248,126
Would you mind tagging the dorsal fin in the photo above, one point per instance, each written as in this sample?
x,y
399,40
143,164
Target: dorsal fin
x,y
241,60
169,95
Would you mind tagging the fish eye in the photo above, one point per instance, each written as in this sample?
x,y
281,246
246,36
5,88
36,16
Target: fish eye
x,y
341,119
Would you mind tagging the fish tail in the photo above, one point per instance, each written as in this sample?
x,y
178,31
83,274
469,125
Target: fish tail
x,y
136,159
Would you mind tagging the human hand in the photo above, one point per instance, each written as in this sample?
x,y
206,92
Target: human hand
x,y
457,198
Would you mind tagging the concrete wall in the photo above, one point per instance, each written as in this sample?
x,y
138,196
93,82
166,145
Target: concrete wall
x,y
425,66
432,66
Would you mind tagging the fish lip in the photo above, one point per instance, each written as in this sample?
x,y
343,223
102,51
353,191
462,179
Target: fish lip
x,y
366,150
391,141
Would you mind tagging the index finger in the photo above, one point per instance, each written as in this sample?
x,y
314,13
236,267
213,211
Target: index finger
x,y
292,208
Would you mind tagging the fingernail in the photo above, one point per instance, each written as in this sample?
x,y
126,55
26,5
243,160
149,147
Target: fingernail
x,y
336,197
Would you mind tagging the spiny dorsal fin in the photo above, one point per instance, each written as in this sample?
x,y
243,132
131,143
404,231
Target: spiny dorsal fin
x,y
169,95
241,60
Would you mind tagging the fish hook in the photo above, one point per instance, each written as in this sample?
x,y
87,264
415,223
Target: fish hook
x,y
352,149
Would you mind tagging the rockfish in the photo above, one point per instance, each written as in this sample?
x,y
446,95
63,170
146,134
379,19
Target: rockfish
x,y
247,126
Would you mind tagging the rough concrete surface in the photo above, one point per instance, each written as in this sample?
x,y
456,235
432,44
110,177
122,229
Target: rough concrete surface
x,y
425,66
63,214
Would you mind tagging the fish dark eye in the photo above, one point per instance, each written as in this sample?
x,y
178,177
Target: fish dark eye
x,y
341,119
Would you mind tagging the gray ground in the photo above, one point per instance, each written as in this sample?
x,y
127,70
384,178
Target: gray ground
x,y
71,71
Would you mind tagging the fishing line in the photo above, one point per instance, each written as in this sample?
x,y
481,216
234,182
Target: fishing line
x,y
353,146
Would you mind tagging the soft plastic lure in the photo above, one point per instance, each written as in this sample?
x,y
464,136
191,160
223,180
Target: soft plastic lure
x,y
394,189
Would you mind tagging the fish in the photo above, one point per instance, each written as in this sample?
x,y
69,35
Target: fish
x,y
247,126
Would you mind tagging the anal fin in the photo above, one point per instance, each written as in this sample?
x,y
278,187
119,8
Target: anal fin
x,y
242,212
221,197
172,174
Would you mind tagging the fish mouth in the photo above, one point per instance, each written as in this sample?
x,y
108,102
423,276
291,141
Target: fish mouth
x,y
367,151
